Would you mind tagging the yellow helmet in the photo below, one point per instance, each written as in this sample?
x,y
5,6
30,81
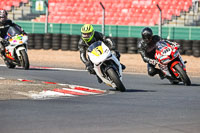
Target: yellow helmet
x,y
87,32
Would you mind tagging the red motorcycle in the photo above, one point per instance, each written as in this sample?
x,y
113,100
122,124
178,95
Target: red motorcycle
x,y
171,63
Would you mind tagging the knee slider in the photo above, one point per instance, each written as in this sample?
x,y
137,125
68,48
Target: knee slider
x,y
152,72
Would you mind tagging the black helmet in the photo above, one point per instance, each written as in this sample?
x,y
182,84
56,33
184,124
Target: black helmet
x,y
3,16
147,34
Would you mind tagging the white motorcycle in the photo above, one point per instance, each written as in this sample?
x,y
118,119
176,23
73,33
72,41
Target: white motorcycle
x,y
16,48
106,65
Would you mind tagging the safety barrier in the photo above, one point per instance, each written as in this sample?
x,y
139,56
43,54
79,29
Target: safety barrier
x,y
124,44
178,33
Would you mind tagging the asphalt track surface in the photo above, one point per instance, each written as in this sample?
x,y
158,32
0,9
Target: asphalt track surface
x,y
149,105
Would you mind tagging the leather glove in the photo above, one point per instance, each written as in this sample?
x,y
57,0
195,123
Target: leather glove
x,y
89,68
176,45
153,62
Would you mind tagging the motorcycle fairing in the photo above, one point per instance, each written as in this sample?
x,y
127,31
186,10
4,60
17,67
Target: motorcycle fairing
x,y
172,68
100,55
8,55
98,52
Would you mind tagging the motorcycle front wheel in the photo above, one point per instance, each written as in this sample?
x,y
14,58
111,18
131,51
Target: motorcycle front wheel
x,y
183,75
24,60
114,76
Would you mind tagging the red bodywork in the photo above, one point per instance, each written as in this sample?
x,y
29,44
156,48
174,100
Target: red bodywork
x,y
168,55
8,55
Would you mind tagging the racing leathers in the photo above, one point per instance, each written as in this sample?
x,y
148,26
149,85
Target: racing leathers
x,y
147,51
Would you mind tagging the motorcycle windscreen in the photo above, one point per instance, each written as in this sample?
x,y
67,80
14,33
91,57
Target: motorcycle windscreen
x,y
93,46
98,52
160,45
13,30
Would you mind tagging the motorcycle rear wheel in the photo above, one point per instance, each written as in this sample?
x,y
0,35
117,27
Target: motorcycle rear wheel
x,y
114,76
183,75
24,61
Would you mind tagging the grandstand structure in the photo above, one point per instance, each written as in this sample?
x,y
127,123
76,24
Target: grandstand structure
x,y
118,12
8,4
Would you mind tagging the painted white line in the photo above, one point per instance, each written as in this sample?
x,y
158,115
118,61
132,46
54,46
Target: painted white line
x,y
2,78
63,84
25,80
74,86
50,68
47,94
44,94
80,91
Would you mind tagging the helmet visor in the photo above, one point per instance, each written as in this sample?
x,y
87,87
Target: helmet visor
x,y
87,36
147,38
2,18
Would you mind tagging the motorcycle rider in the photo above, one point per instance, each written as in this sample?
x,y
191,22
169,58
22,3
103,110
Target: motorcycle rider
x,y
147,49
5,23
89,36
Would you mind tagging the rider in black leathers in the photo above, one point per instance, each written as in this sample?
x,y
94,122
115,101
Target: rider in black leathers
x,y
89,36
4,26
147,49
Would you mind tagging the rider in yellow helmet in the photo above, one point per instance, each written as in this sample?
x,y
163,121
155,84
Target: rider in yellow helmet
x,y
89,36
87,33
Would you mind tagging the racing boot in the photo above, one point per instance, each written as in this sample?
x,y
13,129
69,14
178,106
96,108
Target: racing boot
x,y
117,54
5,61
123,66
2,51
161,75
172,80
164,69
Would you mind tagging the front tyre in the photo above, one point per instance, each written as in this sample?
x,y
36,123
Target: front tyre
x,y
184,77
24,60
114,76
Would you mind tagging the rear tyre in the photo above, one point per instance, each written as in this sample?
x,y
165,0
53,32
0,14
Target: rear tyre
x,y
184,77
24,60
114,76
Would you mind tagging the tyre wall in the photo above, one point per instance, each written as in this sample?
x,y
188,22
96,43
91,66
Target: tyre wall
x,y
124,44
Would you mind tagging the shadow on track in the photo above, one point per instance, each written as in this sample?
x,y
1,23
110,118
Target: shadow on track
x,y
180,84
42,69
36,69
195,85
134,90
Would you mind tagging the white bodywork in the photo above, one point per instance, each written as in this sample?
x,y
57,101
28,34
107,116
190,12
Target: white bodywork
x,y
16,45
98,56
